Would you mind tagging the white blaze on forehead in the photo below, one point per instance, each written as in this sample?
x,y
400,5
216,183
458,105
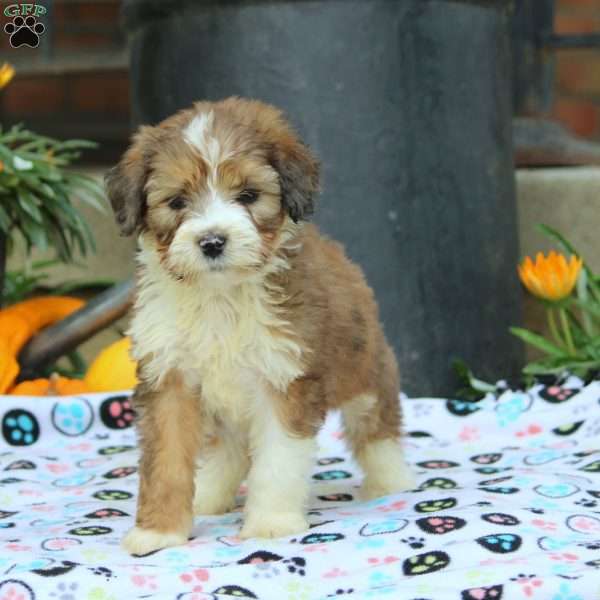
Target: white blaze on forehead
x,y
199,134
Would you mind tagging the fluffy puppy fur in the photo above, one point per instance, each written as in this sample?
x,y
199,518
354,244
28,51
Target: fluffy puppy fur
x,y
248,326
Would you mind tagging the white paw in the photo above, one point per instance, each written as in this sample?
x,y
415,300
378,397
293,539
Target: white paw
x,y
144,541
205,504
273,525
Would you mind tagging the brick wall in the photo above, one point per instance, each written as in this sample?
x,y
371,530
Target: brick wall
x,y
577,86
76,82
81,89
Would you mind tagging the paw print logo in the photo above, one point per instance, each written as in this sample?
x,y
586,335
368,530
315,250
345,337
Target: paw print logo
x,y
24,32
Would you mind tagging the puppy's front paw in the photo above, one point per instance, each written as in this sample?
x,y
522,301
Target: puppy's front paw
x,y
144,541
273,525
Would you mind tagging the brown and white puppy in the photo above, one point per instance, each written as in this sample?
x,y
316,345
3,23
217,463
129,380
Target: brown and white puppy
x,y
248,327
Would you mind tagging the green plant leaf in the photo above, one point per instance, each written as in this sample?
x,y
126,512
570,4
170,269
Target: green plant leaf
x,y
37,265
35,234
557,236
538,341
79,144
473,389
589,306
36,202
5,220
78,363
29,205
555,366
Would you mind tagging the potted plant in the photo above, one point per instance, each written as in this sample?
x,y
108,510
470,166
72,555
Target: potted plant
x,y
37,190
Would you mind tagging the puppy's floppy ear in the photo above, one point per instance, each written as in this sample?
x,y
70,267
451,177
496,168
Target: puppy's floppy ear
x,y
125,182
298,177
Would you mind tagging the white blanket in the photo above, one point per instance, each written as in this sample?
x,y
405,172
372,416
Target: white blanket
x,y
508,508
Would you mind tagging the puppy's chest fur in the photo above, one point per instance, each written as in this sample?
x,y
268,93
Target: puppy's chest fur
x,y
227,342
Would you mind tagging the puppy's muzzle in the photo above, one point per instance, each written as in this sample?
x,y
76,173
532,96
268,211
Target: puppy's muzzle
x,y
212,245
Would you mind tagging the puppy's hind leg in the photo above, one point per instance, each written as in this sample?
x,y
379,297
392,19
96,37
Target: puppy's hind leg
x,y
376,446
224,465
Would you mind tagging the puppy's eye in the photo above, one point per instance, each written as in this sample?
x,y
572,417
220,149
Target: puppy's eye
x,y
248,196
177,203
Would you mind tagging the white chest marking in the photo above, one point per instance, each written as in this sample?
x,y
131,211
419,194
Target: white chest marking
x,y
226,341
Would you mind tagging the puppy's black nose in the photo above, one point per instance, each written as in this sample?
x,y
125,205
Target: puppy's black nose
x,y
212,245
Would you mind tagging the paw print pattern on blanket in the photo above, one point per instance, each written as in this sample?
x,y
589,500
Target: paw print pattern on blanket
x,y
72,416
117,412
20,428
440,525
13,589
500,543
489,593
507,516
441,483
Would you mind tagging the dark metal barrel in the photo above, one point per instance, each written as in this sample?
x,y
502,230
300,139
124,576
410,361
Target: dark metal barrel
x,y
408,105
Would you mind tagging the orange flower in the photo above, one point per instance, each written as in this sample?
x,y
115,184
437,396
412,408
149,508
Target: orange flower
x,y
7,72
550,278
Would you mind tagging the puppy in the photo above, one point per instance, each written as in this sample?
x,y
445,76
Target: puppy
x,y
248,326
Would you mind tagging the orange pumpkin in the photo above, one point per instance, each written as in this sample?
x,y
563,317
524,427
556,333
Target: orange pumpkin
x,y
9,368
55,385
19,322
113,369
